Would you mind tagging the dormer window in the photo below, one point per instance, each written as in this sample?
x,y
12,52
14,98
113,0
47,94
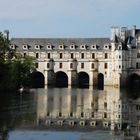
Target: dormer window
x,y
83,46
12,47
49,46
93,46
61,46
72,46
37,47
106,46
120,47
25,47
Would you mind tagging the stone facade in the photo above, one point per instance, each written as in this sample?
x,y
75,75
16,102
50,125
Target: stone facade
x,y
115,58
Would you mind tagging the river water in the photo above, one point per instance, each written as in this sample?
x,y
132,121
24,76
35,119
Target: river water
x,y
68,114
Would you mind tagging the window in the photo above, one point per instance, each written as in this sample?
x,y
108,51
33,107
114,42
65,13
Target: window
x,y
105,115
24,54
82,114
71,114
93,55
92,114
92,65
36,65
12,47
120,47
82,65
48,65
60,55
82,55
72,46
138,55
137,107
37,47
93,46
49,46
119,56
61,46
119,66
49,55
37,55
60,114
106,55
71,56
83,46
71,65
105,105
60,65
105,65
137,65
48,114
25,47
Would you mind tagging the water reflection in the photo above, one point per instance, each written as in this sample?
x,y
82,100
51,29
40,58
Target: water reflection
x,y
66,108
79,107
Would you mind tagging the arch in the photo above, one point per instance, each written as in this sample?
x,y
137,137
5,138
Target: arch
x,y
133,81
37,80
83,79
100,81
61,79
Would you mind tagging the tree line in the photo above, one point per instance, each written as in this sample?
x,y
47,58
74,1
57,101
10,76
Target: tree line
x,y
15,69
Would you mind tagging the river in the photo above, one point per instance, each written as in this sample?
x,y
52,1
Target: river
x,y
69,114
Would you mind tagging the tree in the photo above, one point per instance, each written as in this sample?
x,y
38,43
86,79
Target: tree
x,y
6,53
21,69
14,68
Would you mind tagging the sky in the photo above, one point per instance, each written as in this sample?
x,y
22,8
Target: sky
x,y
67,18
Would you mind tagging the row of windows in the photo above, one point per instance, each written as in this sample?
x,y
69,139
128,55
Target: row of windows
x,y
49,46
82,55
81,114
82,65
71,55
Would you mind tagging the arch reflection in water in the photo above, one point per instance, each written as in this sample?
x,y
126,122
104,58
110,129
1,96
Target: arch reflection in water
x,y
79,107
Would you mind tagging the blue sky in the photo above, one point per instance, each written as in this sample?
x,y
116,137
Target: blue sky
x,y
67,18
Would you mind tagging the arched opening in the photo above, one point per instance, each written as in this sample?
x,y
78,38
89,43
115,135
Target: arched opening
x,y
83,80
61,79
100,81
37,80
134,81
133,86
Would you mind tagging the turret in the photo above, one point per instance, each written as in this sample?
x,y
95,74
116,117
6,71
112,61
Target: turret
x,y
114,37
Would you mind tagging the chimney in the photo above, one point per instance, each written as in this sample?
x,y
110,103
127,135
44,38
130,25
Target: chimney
x,y
133,30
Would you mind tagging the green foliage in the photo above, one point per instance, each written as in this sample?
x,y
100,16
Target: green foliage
x,y
14,68
21,69
5,52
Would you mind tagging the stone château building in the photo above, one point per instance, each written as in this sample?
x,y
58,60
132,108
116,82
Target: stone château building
x,y
110,61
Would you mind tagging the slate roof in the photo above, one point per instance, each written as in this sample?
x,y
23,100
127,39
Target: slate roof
x,y
55,42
